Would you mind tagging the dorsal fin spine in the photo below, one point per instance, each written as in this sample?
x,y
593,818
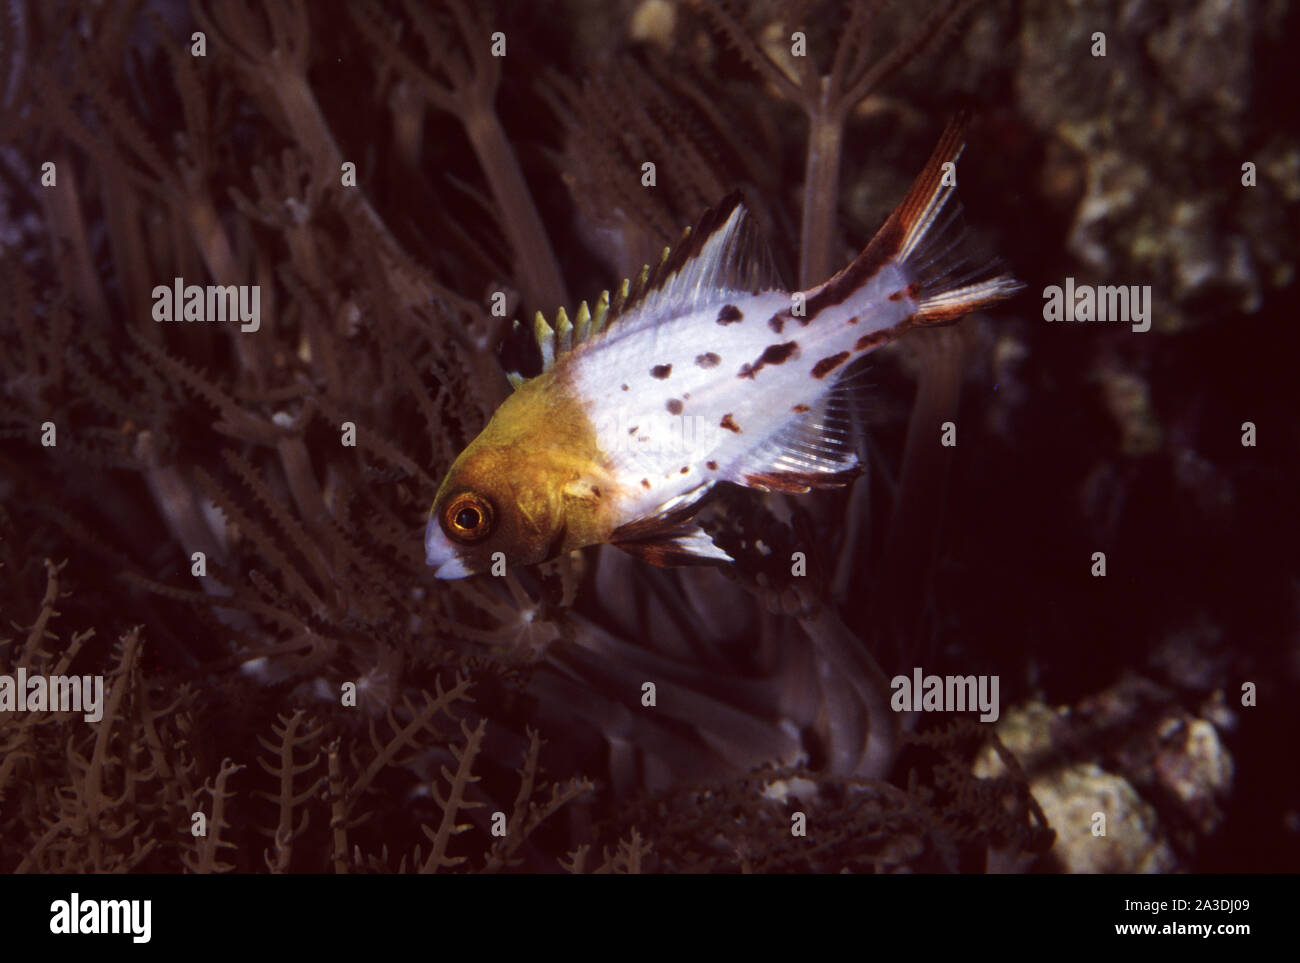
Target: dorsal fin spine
x,y
620,299
601,315
563,332
545,335
582,324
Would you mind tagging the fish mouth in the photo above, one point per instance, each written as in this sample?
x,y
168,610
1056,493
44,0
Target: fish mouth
x,y
441,555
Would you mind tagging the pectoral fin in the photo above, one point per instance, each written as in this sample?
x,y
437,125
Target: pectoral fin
x,y
668,536
690,545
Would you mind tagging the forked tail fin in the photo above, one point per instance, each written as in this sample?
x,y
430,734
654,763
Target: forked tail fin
x,y
948,275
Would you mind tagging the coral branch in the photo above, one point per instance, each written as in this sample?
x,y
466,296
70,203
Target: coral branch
x,y
293,735
454,802
205,859
467,87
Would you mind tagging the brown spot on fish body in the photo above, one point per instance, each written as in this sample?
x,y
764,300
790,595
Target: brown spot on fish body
x,y
826,365
707,360
800,409
625,387
777,323
729,314
632,430
772,354
712,465
896,296
661,371
686,469
911,291
729,423
884,336
645,482
779,353
674,406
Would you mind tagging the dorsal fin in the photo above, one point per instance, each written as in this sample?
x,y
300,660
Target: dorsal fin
x,y
722,253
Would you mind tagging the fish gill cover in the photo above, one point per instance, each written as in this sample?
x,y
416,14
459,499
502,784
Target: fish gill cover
x,y
259,267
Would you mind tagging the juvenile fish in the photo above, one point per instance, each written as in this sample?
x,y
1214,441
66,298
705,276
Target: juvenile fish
x,y
702,371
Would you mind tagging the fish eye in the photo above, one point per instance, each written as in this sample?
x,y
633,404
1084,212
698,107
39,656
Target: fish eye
x,y
468,518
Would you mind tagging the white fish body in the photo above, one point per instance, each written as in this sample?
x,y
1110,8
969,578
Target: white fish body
x,y
701,397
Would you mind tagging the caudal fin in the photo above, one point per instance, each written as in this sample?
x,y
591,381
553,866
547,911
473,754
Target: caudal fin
x,y
925,237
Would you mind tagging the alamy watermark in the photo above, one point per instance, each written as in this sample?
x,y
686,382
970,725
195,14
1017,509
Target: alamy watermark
x,y
1126,304
216,303
56,693
133,917
946,693
660,434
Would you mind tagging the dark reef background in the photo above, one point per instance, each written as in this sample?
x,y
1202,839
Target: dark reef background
x,y
523,695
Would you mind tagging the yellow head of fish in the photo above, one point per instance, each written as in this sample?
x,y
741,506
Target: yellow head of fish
x,y
528,487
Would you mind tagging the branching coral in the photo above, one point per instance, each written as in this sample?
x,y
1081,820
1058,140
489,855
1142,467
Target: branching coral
x,y
129,781
294,735
205,858
827,100
631,114
462,79
627,858
100,793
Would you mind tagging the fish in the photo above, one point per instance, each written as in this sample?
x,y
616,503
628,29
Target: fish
x,y
701,371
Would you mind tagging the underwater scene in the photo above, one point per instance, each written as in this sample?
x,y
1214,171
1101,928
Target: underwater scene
x,y
649,436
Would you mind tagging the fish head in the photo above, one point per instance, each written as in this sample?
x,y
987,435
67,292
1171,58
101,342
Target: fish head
x,y
486,505
522,488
